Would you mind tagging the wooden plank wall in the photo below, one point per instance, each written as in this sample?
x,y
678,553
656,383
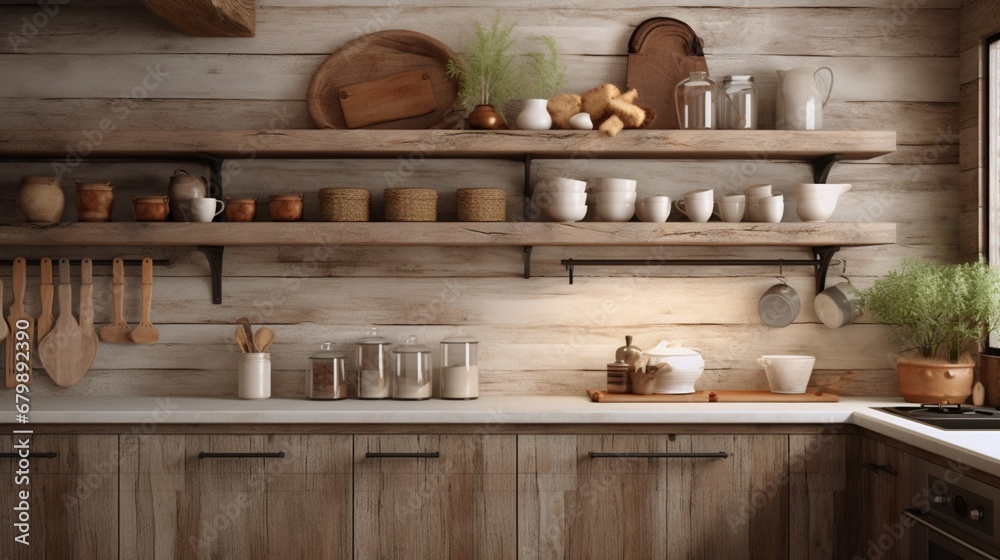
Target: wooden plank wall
x,y
896,65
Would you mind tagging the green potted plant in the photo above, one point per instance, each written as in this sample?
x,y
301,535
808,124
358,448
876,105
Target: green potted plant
x,y
937,312
545,75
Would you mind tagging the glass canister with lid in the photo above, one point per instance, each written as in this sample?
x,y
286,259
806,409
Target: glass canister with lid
x,y
459,368
411,371
741,110
697,98
325,376
374,373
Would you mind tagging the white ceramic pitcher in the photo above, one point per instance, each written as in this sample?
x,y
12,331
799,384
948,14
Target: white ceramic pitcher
x,y
800,105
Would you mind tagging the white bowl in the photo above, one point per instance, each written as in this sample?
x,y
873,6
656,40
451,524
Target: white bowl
x,y
545,198
615,197
788,374
606,184
615,212
566,212
815,209
563,184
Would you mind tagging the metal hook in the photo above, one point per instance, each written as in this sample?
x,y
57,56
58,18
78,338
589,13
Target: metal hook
x,y
781,268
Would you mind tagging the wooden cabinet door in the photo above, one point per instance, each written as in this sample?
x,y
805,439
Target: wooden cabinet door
x,y
460,504
823,496
885,476
182,498
575,505
73,502
733,508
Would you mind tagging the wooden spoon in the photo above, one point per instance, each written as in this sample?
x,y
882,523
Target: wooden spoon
x,y
19,348
263,338
241,339
248,332
46,319
118,330
67,350
87,304
146,333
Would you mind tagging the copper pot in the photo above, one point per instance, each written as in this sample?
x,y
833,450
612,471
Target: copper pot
x,y
151,208
285,207
94,201
485,117
933,382
241,209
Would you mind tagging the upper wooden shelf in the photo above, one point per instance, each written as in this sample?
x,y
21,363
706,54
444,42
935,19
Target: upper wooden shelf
x,y
449,234
512,144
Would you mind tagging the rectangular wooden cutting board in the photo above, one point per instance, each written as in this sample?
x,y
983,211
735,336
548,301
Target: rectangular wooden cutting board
x,y
599,396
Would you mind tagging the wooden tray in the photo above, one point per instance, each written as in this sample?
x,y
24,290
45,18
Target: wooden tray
x,y
812,395
383,55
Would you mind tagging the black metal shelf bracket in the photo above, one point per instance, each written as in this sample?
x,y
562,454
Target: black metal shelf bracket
x,y
214,165
822,167
821,261
527,188
527,262
213,254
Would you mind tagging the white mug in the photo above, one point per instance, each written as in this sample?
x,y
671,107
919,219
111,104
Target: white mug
x,y
753,194
731,208
654,210
696,209
204,209
771,208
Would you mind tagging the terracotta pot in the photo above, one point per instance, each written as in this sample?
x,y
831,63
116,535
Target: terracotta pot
x,y
41,200
183,188
930,381
94,201
286,207
485,117
989,374
151,208
241,209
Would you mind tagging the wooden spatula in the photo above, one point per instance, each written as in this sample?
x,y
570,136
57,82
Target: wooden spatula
x,y
19,348
87,304
3,325
46,319
146,333
67,351
118,330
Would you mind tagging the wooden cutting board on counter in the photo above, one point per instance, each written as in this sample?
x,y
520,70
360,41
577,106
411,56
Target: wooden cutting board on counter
x,y
599,396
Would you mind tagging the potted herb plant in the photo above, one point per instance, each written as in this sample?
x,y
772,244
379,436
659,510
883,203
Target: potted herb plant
x,y
938,312
545,73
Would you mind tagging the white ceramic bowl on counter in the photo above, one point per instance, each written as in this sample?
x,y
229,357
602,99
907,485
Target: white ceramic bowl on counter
x,y
787,374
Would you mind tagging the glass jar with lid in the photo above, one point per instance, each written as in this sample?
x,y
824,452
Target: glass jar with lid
x,y
459,368
697,98
325,376
740,112
374,373
411,371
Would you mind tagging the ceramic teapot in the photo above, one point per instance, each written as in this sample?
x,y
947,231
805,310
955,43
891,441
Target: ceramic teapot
x,y
677,367
182,189
799,102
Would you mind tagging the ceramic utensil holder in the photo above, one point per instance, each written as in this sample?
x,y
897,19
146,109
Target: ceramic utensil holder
x,y
255,376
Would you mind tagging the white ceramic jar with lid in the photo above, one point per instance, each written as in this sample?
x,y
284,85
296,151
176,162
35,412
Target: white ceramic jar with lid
x,y
412,371
459,368
374,373
325,376
678,367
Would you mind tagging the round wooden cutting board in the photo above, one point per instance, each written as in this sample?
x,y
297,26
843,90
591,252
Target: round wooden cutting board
x,y
378,57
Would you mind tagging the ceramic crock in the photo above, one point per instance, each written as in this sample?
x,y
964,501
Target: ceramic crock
x,y
678,367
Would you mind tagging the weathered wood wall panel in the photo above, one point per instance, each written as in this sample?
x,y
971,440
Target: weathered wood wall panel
x,y
896,69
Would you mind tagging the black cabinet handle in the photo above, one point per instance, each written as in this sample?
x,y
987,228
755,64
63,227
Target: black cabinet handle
x,y
42,455
278,455
875,468
719,455
432,455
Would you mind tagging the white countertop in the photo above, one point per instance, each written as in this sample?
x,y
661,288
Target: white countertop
x,y
978,449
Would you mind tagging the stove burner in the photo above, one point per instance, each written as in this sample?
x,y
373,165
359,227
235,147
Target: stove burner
x,y
950,416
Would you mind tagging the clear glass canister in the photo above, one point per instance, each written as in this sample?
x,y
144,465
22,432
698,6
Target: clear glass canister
x,y
412,371
741,110
696,98
325,377
374,375
459,368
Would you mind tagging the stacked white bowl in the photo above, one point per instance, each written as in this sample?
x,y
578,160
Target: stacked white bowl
x,y
815,202
614,199
563,200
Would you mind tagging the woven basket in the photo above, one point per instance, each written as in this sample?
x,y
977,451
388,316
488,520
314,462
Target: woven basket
x,y
410,205
482,205
345,205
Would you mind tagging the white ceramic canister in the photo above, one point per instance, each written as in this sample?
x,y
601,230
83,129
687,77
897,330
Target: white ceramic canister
x,y
255,376
678,367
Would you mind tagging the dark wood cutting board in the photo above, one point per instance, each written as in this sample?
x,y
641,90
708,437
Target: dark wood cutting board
x,y
385,55
811,395
662,52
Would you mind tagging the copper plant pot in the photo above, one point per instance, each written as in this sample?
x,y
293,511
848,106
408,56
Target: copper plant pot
x,y
94,201
285,207
151,208
933,381
241,209
485,117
